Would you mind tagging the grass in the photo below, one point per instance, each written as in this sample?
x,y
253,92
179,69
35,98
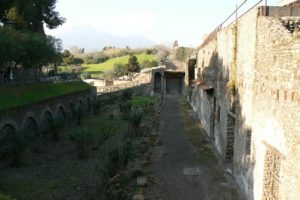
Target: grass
x,y
196,134
66,176
109,64
18,95
140,101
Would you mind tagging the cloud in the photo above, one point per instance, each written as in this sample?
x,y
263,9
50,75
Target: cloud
x,y
137,22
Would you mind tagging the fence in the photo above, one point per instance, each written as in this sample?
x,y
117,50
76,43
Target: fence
x,y
214,33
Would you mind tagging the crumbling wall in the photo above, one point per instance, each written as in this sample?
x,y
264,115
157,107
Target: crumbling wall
x,y
253,66
277,102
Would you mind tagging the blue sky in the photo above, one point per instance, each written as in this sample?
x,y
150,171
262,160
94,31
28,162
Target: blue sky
x,y
161,21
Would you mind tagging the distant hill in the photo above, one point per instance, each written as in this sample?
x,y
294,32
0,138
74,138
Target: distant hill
x,y
90,39
109,64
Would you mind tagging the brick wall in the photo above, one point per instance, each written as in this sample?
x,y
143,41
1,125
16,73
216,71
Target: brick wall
x,y
253,65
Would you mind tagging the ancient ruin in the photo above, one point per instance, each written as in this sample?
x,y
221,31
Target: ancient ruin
x,y
246,94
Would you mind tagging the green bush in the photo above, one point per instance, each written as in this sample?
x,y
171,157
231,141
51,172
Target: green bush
x,y
82,139
135,119
125,109
108,129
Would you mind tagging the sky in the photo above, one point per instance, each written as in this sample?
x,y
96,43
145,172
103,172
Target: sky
x,y
161,21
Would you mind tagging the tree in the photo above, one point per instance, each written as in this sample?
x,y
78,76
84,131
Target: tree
x,y
119,70
132,65
22,36
30,14
149,63
77,61
67,58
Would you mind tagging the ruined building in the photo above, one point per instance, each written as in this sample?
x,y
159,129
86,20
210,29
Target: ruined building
x,y
246,93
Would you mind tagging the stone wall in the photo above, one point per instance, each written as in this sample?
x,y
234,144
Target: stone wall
x,y
36,117
254,109
276,110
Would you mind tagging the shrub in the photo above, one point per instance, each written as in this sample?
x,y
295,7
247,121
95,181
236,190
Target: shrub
x,y
55,126
79,114
4,197
118,157
112,97
97,107
19,141
82,139
135,119
86,75
125,109
127,94
108,129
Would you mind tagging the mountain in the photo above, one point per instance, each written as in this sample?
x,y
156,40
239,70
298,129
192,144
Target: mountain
x,y
90,39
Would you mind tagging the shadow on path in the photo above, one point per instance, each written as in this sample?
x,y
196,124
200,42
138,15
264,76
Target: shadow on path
x,y
184,166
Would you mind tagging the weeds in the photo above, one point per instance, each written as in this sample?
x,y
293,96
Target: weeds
x,y
4,197
135,119
125,109
19,141
55,126
97,107
108,129
79,115
115,161
82,139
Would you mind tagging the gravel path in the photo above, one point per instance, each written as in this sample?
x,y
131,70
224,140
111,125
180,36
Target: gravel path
x,y
181,169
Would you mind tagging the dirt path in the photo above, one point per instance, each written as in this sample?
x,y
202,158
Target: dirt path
x,y
184,166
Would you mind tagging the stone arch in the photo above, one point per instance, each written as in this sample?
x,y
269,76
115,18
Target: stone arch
x,y
30,123
72,109
157,82
31,126
5,130
60,112
46,118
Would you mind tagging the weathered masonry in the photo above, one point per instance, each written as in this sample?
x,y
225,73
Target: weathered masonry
x,y
166,81
35,117
247,97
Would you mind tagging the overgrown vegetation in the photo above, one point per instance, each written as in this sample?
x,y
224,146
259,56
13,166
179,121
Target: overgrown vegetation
x,y
125,109
19,141
106,142
16,96
82,139
127,94
55,128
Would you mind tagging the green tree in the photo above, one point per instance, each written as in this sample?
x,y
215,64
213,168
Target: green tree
x,y
22,33
67,58
132,65
119,70
149,63
77,61
30,14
